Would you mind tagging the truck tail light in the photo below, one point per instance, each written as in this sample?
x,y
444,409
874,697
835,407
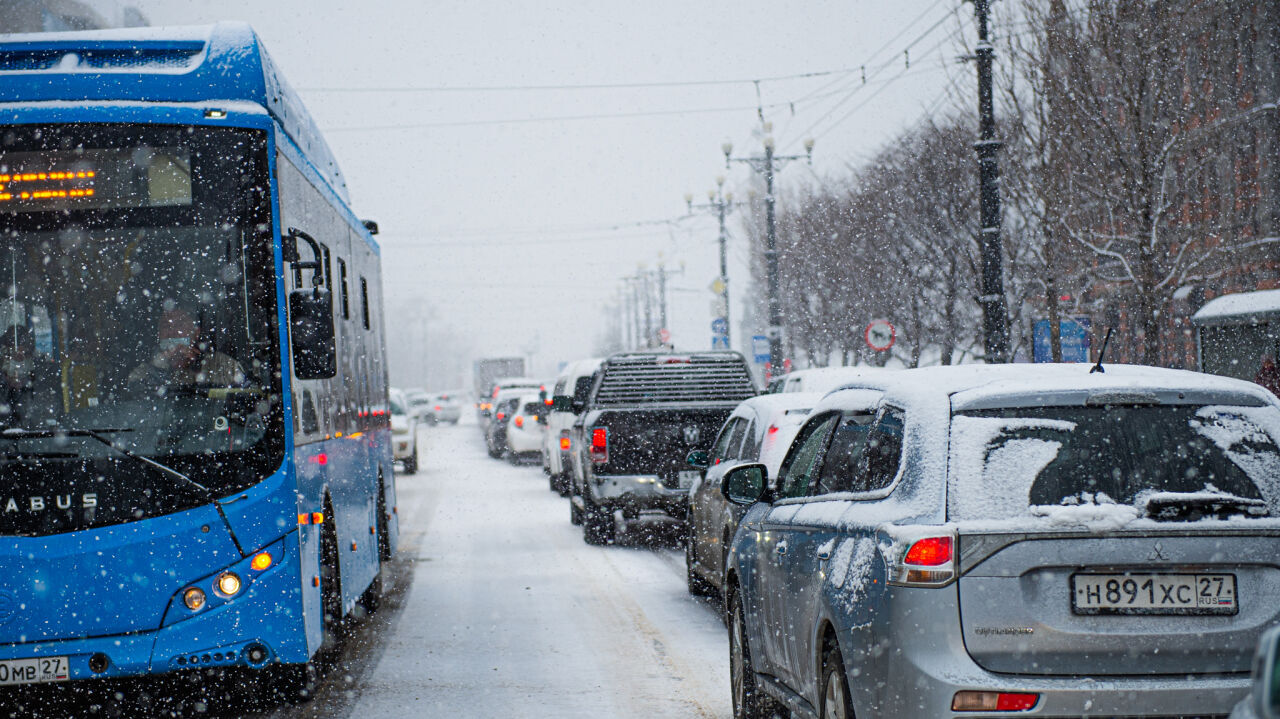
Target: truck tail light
x,y
927,562
599,445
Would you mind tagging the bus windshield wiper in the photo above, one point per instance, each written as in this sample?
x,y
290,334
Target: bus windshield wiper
x,y
100,435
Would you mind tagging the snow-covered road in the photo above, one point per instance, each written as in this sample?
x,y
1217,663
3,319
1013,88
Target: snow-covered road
x,y
509,613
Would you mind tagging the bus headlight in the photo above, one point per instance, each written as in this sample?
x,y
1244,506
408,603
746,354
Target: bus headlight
x,y
228,584
193,598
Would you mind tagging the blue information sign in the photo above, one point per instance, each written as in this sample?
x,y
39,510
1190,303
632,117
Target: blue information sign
x,y
1074,333
760,348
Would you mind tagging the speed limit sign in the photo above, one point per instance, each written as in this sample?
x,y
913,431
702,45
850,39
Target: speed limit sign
x,y
880,335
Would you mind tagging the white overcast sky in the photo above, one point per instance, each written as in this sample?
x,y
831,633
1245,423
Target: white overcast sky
x,y
506,229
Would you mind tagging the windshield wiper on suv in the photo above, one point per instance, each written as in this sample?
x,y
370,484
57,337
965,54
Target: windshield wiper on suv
x,y
1179,506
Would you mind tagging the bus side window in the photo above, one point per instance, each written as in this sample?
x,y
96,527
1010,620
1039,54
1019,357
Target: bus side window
x,y
364,301
342,278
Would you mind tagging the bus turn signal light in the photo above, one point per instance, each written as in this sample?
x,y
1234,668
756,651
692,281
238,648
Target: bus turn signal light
x,y
993,701
193,598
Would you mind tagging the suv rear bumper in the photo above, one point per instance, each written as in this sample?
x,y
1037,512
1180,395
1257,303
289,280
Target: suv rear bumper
x,y
926,660
638,493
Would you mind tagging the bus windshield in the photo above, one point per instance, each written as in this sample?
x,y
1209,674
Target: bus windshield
x,y
138,300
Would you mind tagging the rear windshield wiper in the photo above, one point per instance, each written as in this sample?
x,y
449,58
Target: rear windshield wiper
x,y
1179,506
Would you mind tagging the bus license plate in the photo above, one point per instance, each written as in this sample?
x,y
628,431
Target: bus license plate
x,y
1154,594
33,671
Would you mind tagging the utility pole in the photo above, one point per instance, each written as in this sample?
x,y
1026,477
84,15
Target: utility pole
x,y
648,308
765,166
721,203
995,313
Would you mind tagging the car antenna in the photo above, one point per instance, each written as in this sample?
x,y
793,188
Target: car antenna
x,y
1102,353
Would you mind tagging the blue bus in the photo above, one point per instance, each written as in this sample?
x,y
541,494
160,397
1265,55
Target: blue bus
x,y
195,457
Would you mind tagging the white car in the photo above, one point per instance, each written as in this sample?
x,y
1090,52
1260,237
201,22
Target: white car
x,y
824,379
571,387
525,429
404,432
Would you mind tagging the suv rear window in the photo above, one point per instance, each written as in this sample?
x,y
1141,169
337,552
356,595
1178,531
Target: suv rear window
x,y
1004,462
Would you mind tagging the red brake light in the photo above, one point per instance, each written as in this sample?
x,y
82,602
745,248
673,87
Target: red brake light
x,y
564,443
993,701
519,421
773,428
502,416
599,445
930,552
437,408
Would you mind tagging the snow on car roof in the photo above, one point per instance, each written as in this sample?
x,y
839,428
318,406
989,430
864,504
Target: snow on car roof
x,y
826,379
769,405
966,386
1240,306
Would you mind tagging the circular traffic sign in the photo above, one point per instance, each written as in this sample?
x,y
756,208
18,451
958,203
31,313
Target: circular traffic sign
x,y
880,335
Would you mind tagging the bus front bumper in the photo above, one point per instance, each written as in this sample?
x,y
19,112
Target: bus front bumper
x,y
260,624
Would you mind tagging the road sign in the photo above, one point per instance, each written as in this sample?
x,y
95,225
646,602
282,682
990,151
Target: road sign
x,y
720,326
717,286
760,348
719,342
1074,332
880,335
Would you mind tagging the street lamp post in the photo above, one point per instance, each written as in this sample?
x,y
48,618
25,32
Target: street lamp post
x,y
765,165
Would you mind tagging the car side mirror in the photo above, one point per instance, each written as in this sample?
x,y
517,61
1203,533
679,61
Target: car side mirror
x,y
311,336
746,484
698,459
1265,696
561,403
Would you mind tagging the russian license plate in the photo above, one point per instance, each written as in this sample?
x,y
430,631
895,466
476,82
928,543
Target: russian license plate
x,y
33,671
1154,594
687,478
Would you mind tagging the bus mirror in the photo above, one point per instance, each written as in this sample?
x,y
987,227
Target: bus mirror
x,y
291,255
315,354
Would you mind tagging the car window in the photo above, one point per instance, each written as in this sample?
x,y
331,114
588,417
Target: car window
x,y
840,464
531,408
1163,460
397,406
883,451
797,471
750,443
734,450
720,450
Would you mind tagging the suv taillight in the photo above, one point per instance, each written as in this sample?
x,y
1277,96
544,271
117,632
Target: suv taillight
x,y
599,451
927,562
565,442
519,420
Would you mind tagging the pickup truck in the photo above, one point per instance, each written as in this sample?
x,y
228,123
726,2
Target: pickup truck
x,y
645,413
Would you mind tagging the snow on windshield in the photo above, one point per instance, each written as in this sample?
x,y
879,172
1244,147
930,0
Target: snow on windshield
x,y
993,479
1106,466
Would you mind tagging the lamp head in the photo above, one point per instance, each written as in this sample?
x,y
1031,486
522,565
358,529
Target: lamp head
x,y
768,142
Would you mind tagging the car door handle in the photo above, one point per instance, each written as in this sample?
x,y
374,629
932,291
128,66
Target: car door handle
x,y
781,548
824,554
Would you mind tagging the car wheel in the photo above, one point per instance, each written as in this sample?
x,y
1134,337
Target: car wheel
x,y
698,586
749,701
561,485
835,687
411,462
597,523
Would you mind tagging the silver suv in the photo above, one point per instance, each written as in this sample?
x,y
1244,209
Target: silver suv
x,y
974,540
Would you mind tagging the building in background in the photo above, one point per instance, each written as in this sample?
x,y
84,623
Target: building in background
x,y
63,15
